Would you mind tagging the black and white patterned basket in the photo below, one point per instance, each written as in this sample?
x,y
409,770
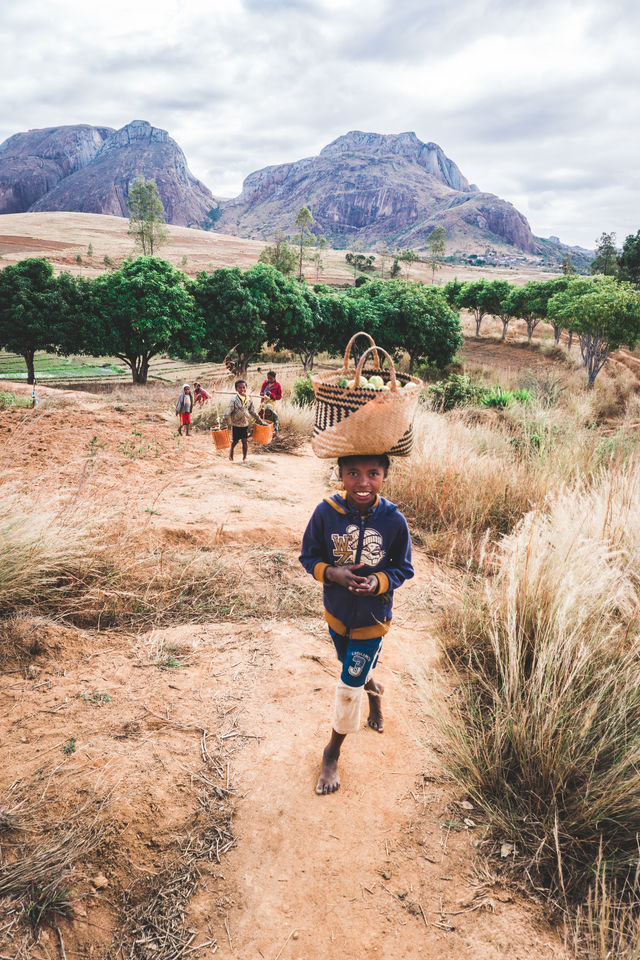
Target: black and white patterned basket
x,y
362,421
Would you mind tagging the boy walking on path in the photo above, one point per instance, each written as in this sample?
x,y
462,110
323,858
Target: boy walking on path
x,y
237,417
357,544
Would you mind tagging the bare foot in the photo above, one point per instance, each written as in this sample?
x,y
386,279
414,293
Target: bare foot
x,y
374,692
329,779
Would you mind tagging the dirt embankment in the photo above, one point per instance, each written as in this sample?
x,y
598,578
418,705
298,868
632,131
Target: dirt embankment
x,y
185,758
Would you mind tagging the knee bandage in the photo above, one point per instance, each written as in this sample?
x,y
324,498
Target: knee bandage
x,y
346,717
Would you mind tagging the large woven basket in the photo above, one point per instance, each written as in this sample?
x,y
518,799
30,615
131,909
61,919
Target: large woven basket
x,y
359,420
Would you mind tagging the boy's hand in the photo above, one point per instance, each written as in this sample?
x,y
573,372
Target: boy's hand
x,y
345,577
369,585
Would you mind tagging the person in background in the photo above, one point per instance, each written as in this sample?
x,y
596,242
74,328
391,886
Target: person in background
x,y
271,389
237,417
200,395
271,393
184,407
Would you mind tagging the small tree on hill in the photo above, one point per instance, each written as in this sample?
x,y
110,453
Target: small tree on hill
x,y
407,258
437,245
279,255
146,222
606,258
302,239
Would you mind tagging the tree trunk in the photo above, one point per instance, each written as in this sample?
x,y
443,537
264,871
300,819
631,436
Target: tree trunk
x,y
139,368
306,359
505,324
478,319
556,334
28,359
570,340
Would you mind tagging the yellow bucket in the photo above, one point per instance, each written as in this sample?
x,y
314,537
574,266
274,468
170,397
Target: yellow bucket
x,y
262,434
221,438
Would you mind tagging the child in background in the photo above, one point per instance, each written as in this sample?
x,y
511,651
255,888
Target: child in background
x,y
183,409
237,417
200,395
357,544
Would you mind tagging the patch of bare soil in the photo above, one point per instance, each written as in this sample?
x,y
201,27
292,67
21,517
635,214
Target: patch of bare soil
x,y
165,777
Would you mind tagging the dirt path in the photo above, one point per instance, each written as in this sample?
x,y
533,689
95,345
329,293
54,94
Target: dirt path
x,y
386,866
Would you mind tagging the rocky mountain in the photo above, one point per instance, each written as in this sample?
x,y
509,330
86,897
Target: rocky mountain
x,y
89,169
377,188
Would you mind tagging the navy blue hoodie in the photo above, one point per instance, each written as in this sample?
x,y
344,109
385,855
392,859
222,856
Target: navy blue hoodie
x,y
338,535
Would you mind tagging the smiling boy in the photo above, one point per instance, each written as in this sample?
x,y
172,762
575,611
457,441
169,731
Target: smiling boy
x,y
357,544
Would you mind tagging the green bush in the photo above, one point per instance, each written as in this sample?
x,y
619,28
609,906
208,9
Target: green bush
x,y
303,395
459,390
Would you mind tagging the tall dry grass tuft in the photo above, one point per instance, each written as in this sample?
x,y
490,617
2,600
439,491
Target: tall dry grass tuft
x,y
473,474
545,731
91,566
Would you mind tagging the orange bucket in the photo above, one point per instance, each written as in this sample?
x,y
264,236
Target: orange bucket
x,y
262,434
221,438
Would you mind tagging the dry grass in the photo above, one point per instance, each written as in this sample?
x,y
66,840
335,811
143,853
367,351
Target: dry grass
x,y
89,565
473,474
545,732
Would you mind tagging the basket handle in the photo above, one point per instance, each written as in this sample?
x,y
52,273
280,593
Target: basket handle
x,y
360,367
347,350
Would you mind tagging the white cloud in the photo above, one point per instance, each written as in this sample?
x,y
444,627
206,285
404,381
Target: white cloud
x,y
535,101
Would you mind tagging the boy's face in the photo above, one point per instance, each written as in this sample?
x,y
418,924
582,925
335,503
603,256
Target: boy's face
x,y
242,388
362,480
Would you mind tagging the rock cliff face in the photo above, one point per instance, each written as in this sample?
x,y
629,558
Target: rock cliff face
x,y
378,188
89,169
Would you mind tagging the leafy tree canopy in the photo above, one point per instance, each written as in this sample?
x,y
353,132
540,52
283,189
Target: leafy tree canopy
x,y
142,310
33,309
629,259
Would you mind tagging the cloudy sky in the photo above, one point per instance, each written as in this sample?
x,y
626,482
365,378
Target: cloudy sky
x,y
536,102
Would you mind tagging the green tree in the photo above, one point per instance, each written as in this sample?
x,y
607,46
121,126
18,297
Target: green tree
x,y
279,255
605,315
606,258
146,221
415,318
475,296
451,291
629,259
230,317
319,244
436,245
529,303
568,268
142,310
302,239
29,309
407,258
394,273
385,254
498,300
361,263
212,216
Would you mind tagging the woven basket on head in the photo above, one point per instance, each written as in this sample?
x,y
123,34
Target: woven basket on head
x,y
356,420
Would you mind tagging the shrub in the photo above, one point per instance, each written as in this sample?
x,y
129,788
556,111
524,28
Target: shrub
x,y
458,390
303,394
